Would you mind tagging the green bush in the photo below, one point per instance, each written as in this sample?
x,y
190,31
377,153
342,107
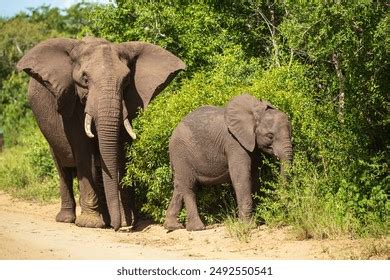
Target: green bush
x,y
27,171
15,114
39,156
336,187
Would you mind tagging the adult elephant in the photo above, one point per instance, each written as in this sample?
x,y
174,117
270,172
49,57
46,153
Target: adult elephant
x,y
84,94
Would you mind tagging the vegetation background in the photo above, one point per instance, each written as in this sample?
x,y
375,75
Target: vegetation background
x,y
326,64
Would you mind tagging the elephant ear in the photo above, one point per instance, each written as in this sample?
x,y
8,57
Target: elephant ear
x,y
50,64
260,109
152,68
240,119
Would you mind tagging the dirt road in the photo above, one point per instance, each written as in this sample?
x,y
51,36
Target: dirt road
x,y
28,231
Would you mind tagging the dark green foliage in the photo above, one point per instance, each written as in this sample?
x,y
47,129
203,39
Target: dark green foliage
x,y
195,31
356,37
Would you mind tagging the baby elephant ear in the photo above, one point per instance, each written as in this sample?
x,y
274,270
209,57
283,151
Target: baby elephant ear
x,y
240,119
260,109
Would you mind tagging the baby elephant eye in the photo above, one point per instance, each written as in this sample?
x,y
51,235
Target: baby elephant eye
x,y
270,136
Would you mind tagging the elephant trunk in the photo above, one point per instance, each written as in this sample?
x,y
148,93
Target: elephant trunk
x,y
108,124
285,157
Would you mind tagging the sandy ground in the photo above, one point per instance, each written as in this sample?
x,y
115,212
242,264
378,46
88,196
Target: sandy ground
x,y
28,231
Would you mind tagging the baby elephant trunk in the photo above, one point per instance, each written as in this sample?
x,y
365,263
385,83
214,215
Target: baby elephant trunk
x,y
285,159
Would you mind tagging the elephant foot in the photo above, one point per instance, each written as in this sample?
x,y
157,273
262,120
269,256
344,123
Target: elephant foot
x,y
173,225
129,219
195,226
66,216
90,220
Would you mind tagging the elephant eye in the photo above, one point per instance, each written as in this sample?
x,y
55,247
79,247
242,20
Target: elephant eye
x,y
269,136
83,80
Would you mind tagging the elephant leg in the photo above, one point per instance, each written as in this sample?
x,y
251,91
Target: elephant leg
x,y
255,173
194,222
242,184
92,215
67,213
127,194
99,190
128,214
174,208
186,186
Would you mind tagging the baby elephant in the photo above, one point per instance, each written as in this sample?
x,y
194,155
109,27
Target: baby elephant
x,y
214,145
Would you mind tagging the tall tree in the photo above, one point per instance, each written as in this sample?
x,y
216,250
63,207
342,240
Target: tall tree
x,y
345,43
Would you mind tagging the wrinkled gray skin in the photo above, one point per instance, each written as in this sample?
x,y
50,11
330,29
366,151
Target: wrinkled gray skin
x,y
83,94
214,145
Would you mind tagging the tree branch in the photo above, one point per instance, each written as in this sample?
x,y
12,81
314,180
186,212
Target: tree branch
x,y
272,30
341,78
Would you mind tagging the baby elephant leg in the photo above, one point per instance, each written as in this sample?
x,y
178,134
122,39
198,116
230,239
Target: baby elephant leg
x,y
242,185
185,190
174,208
194,222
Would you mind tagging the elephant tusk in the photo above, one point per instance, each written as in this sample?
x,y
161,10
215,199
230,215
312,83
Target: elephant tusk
x,y
129,129
126,121
124,110
87,125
